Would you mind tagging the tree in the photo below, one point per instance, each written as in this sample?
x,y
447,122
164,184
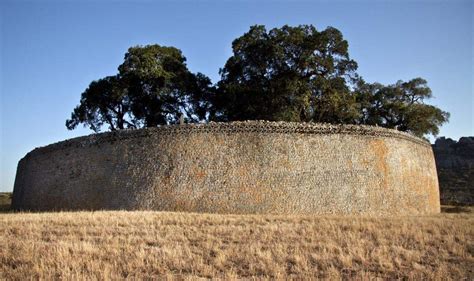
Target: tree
x,y
400,106
104,102
301,74
288,73
153,87
285,74
161,87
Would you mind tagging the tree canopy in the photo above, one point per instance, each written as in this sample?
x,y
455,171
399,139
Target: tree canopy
x,y
153,86
399,106
284,74
288,73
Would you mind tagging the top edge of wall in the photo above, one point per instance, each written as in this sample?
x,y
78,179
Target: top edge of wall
x,y
234,127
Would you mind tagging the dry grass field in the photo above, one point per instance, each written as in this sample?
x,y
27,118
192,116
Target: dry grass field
x,y
136,245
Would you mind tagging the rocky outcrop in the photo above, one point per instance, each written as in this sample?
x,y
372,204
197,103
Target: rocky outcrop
x,y
455,166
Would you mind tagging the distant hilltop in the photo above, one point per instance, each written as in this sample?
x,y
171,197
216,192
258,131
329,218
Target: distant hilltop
x,y
455,165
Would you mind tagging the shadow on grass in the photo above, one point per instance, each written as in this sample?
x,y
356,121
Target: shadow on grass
x,y
457,209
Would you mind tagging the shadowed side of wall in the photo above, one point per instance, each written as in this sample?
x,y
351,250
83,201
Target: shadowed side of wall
x,y
455,165
242,167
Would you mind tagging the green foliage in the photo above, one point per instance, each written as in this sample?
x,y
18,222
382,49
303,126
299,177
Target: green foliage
x,y
400,106
104,102
285,74
153,87
290,74
301,74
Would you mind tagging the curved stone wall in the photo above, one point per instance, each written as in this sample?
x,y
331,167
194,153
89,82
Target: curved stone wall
x,y
239,167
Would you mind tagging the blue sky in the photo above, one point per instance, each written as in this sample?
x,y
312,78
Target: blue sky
x,y
51,50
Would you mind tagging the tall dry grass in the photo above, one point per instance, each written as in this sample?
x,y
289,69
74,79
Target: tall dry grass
x,y
118,245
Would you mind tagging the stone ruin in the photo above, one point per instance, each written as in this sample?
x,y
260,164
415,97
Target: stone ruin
x,y
251,167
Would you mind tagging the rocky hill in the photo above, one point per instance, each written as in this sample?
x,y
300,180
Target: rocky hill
x,y
455,165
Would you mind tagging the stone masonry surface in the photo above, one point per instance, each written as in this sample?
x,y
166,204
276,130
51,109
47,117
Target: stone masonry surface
x,y
455,165
238,167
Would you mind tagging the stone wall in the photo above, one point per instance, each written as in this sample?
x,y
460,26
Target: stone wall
x,y
239,167
455,165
